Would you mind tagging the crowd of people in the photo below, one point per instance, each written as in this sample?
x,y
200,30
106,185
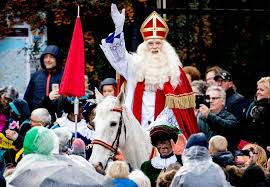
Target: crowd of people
x,y
220,138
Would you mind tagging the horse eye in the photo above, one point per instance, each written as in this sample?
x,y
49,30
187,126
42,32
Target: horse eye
x,y
113,124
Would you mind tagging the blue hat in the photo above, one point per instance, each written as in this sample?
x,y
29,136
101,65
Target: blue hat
x,y
198,139
107,81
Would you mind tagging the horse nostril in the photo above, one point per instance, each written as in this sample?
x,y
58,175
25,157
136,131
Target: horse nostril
x,y
99,168
113,124
100,164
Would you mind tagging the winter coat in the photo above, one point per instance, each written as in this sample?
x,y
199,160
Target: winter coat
x,y
235,104
199,170
258,119
223,123
124,182
36,89
223,158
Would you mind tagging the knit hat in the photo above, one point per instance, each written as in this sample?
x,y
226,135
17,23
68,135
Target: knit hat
x,y
198,139
78,147
39,140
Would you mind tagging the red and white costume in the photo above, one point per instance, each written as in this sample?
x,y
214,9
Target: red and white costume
x,y
149,92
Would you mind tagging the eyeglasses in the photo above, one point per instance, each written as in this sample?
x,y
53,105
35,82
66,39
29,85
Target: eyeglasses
x,y
35,121
214,98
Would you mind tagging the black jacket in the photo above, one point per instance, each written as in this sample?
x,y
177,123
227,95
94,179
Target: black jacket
x,y
36,89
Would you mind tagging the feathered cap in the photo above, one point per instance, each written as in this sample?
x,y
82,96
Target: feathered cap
x,y
154,27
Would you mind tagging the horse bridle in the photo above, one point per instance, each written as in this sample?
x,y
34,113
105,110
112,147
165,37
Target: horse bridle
x,y
115,145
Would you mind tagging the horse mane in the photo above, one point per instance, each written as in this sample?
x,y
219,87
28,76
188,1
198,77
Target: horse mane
x,y
137,147
137,139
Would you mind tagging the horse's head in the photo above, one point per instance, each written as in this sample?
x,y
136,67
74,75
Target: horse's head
x,y
110,131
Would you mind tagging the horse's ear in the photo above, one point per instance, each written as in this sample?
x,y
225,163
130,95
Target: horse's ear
x,y
99,96
121,98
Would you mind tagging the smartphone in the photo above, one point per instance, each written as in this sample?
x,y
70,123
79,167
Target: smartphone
x,y
55,87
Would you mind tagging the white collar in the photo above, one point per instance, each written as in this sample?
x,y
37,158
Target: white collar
x,y
161,163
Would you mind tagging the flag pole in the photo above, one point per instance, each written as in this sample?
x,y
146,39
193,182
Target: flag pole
x,y
76,100
76,112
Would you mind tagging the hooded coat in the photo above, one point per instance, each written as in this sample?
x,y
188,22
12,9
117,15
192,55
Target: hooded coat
x,y
199,170
36,89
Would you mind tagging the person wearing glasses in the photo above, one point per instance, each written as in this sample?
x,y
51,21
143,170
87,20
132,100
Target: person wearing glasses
x,y
39,117
215,120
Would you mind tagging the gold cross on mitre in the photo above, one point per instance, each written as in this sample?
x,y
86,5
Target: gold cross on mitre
x,y
154,26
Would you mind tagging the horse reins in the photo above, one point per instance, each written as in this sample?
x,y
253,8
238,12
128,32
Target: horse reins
x,y
116,140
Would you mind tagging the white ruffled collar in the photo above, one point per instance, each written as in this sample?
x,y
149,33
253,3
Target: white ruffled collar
x,y
161,163
82,128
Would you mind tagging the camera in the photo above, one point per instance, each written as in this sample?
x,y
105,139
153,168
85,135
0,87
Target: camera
x,y
202,99
245,152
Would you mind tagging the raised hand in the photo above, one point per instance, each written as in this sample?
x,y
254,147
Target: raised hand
x,y
118,18
180,144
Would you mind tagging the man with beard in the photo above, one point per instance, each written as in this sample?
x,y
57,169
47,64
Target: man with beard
x,y
155,79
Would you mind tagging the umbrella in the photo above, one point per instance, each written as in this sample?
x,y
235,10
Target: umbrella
x,y
60,174
72,83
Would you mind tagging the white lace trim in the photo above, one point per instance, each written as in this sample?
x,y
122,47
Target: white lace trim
x,y
161,163
82,128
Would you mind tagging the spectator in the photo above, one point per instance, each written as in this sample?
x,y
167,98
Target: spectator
x,y
252,154
210,74
216,120
140,178
39,117
192,73
108,87
7,95
41,82
166,176
39,145
67,121
199,87
254,176
235,103
19,111
257,115
218,150
78,148
119,171
198,168
64,137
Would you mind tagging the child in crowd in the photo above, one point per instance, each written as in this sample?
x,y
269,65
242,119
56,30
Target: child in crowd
x,y
108,87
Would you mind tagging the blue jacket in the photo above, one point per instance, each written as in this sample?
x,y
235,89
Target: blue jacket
x,y
36,89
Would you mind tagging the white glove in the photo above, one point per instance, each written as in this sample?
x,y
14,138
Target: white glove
x,y
118,19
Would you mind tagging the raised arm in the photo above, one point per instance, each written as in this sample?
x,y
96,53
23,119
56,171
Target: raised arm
x,y
114,45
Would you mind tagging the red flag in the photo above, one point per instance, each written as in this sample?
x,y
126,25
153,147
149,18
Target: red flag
x,y
72,83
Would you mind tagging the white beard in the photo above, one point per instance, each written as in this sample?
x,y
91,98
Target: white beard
x,y
156,69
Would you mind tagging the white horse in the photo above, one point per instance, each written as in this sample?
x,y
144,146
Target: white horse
x,y
117,129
